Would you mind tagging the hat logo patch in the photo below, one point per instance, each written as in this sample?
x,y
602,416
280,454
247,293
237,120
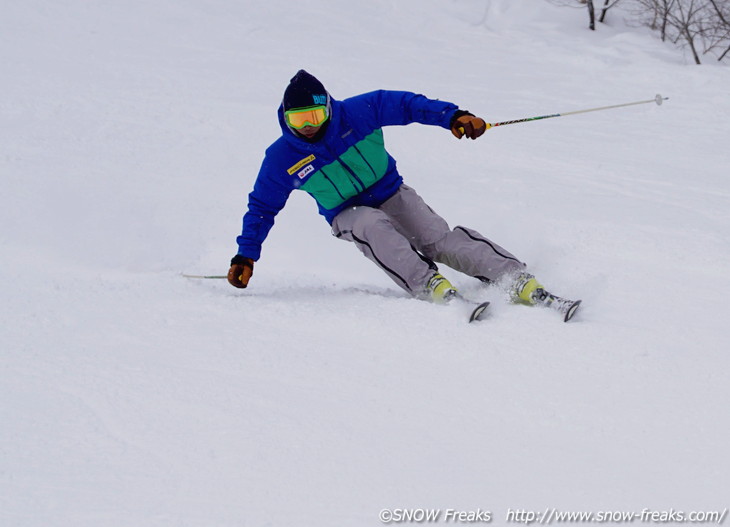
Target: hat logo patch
x,y
319,99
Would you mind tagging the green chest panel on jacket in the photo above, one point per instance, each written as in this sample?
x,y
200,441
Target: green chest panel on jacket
x,y
362,165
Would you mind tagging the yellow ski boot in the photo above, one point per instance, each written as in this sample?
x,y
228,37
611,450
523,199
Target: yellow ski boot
x,y
440,289
526,289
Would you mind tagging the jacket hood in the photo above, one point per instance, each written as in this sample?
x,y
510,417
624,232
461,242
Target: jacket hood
x,y
304,91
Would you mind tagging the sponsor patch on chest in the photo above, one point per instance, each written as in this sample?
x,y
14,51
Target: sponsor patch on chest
x,y
305,171
299,164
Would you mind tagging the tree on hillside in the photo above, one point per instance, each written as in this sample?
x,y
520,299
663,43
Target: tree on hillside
x,y
607,4
591,14
689,24
658,13
721,27
702,26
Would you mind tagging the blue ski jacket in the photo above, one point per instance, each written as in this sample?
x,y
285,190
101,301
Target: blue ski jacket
x,y
348,166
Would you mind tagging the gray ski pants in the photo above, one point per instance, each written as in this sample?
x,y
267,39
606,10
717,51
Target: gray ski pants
x,y
404,237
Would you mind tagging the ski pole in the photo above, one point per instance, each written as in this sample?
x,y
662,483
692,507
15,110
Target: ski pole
x,y
658,100
205,276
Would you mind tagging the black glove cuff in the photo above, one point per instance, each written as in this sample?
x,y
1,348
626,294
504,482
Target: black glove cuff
x,y
239,259
457,114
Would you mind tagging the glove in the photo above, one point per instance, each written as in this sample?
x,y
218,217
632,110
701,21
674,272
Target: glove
x,y
240,272
466,124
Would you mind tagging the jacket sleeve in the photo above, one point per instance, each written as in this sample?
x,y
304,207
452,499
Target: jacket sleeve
x,y
400,108
268,197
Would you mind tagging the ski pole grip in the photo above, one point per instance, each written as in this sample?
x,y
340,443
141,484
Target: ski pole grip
x,y
488,126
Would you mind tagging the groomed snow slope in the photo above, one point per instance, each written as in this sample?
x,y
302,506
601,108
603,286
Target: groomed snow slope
x,y
129,396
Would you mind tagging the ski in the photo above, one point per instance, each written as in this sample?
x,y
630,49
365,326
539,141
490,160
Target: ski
x,y
476,310
571,310
565,307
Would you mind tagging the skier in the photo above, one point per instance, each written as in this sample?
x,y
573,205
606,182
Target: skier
x,y
334,151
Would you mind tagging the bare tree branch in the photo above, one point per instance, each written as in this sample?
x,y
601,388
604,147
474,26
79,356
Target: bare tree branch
x,y
607,4
702,26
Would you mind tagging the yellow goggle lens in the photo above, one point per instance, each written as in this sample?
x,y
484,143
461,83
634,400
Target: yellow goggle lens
x,y
302,117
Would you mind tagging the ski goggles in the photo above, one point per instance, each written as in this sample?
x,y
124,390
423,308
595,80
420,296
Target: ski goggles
x,y
311,116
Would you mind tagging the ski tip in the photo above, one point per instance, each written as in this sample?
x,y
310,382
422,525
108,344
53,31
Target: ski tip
x,y
478,311
571,310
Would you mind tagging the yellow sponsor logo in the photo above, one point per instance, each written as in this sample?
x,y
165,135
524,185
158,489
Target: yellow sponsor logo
x,y
300,164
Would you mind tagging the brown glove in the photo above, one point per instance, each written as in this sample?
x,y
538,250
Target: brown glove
x,y
240,272
469,126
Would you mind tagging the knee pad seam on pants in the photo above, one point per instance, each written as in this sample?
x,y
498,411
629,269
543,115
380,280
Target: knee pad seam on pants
x,y
482,240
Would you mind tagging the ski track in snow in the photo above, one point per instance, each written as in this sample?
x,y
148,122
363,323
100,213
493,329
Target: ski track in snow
x,y
322,394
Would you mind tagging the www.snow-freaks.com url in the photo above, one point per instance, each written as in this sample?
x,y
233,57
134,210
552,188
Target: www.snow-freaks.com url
x,y
551,516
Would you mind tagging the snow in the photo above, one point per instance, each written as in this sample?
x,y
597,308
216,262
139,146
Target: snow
x,y
130,396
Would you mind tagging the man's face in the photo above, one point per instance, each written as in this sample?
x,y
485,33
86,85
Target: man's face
x,y
309,131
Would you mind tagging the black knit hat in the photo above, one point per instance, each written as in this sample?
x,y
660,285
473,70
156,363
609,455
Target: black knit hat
x,y
305,90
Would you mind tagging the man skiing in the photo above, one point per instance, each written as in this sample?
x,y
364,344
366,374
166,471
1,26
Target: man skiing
x,y
334,150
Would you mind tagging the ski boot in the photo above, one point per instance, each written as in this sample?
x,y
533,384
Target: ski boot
x,y
523,289
440,289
